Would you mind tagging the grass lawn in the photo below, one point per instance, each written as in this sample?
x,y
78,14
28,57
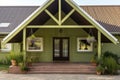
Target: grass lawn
x,y
4,67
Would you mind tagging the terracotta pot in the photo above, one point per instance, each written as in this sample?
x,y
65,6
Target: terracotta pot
x,y
94,64
13,63
98,73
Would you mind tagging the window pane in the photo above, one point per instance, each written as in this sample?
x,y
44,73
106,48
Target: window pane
x,y
83,45
65,48
57,48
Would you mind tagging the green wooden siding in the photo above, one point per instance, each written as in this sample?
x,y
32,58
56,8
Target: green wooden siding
x,y
111,47
73,34
47,54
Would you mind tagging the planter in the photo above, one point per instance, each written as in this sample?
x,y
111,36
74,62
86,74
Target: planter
x,y
94,63
98,73
13,62
16,70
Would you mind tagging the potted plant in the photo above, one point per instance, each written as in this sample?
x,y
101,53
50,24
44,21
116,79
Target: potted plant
x,y
13,62
13,58
99,70
16,58
94,60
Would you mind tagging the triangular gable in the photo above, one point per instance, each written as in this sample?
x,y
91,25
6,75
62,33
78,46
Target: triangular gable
x,y
74,6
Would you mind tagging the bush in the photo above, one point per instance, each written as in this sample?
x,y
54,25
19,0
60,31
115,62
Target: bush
x,y
111,65
15,56
5,61
109,54
109,62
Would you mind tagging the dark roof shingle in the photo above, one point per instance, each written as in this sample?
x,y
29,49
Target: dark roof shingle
x,y
14,15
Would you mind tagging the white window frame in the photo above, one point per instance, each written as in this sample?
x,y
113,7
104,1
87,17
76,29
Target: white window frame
x,y
6,48
78,45
40,41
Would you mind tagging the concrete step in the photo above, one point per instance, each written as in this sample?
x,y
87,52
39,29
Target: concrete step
x,y
62,68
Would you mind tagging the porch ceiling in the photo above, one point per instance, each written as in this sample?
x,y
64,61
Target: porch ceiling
x,y
19,37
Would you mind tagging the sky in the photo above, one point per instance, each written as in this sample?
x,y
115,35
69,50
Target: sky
x,y
39,2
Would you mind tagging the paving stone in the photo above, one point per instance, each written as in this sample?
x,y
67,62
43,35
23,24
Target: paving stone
x,y
6,76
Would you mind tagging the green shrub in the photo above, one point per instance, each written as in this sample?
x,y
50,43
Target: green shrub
x,y
12,55
5,61
109,61
111,65
110,54
16,56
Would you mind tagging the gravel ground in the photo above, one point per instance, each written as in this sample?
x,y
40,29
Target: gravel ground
x,y
6,76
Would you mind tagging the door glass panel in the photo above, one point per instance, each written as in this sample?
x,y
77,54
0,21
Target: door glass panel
x,y
57,48
65,48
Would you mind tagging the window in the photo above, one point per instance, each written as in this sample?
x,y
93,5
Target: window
x,y
83,45
6,48
35,44
4,24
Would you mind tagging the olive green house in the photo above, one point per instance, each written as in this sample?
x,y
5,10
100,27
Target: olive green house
x,y
60,30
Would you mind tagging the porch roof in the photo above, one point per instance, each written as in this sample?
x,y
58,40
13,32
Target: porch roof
x,y
39,17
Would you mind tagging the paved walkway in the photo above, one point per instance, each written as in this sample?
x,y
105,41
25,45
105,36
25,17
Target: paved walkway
x,y
5,76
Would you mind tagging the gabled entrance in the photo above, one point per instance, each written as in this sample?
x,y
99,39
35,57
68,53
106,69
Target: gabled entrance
x,y
60,49
53,9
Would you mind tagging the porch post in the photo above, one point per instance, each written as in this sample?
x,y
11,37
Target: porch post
x,y
24,44
99,44
59,8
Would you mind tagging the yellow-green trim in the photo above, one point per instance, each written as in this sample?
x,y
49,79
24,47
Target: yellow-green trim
x,y
99,44
24,43
92,21
62,26
67,16
24,39
52,16
59,8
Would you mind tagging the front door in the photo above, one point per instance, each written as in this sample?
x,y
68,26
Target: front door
x,y
61,49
